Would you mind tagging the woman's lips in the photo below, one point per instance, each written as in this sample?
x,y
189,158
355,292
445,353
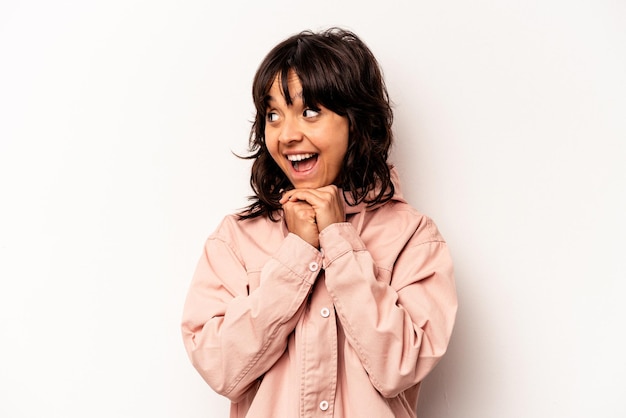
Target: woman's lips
x,y
302,162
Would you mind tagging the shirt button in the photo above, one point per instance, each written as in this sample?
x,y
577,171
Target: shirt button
x,y
325,312
313,266
324,405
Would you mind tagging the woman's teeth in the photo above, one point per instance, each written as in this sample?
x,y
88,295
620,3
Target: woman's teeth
x,y
302,162
299,157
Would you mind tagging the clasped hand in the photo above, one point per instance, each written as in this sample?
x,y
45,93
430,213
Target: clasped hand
x,y
309,211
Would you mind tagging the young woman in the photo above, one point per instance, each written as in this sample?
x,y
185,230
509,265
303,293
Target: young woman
x,y
329,295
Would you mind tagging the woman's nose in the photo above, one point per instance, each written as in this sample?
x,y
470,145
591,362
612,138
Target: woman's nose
x,y
290,131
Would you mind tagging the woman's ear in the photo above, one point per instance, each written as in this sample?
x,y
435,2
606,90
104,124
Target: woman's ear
x,y
350,126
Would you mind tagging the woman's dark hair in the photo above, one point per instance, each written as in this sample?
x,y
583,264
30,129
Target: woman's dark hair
x,y
338,71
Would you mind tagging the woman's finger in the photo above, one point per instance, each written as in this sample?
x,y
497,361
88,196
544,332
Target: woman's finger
x,y
326,202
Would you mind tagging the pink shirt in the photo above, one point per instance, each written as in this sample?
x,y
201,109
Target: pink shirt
x,y
285,330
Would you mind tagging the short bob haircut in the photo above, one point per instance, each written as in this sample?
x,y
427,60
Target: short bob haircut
x,y
338,71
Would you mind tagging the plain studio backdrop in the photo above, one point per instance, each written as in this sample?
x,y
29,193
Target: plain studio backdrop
x,y
118,123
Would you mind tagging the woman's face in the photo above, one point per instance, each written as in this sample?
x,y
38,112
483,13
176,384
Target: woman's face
x,y
308,144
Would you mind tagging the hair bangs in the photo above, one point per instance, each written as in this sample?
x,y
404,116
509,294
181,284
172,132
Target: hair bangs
x,y
320,75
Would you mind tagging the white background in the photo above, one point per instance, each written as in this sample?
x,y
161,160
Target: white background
x,y
118,120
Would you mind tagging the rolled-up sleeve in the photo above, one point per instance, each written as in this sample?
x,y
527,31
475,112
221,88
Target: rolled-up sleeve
x,y
231,335
399,327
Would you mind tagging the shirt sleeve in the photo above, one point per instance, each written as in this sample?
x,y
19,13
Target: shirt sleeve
x,y
399,328
231,336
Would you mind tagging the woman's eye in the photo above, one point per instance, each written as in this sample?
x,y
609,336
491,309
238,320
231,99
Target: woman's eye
x,y
272,116
310,113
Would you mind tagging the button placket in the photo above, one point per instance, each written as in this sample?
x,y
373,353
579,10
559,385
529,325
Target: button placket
x,y
320,365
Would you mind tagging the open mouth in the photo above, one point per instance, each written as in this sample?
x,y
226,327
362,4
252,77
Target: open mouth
x,y
302,162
